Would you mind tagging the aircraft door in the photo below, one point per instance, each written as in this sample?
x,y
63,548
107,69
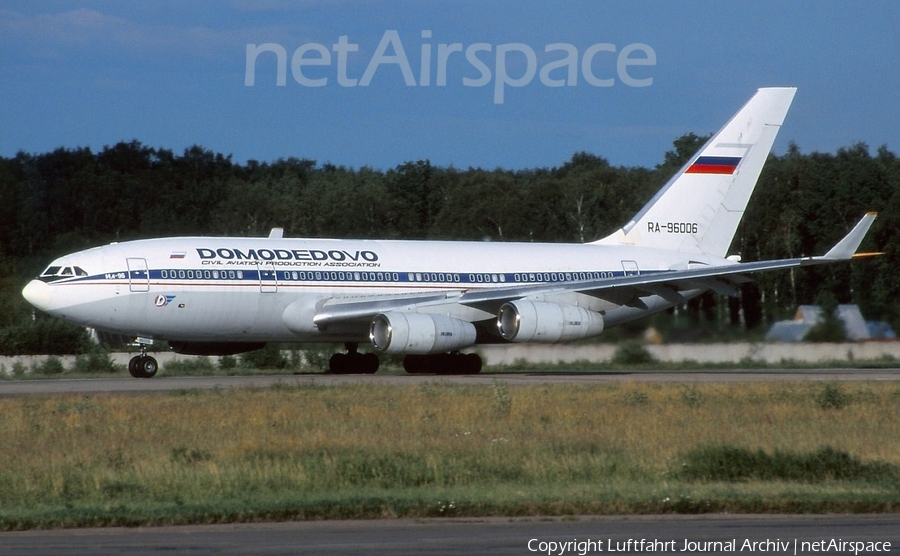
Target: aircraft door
x,y
138,275
268,279
631,268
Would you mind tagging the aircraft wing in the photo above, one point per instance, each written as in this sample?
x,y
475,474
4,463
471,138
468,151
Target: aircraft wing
x,y
626,290
629,289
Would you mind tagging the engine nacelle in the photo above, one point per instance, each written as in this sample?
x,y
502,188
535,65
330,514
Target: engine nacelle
x,y
539,321
419,333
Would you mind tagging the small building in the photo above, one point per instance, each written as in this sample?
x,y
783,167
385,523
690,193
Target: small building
x,y
808,316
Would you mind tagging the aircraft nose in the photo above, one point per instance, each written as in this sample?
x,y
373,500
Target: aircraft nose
x,y
38,294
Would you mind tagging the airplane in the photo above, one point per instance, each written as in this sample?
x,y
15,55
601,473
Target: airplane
x,y
429,300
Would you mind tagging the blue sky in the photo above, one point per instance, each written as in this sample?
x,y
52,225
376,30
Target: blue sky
x,y
172,74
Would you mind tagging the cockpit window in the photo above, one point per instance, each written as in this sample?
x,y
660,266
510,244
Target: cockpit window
x,y
53,273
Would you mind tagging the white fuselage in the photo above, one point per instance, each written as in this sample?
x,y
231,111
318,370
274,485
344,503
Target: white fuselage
x,y
240,289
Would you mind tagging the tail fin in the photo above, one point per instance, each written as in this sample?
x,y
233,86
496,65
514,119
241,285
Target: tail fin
x,y
699,209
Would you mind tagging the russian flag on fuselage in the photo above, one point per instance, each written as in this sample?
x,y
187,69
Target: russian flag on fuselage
x,y
714,165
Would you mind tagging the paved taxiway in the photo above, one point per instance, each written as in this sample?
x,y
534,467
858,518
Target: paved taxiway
x,y
492,536
164,383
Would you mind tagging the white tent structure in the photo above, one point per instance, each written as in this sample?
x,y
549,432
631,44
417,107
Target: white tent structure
x,y
808,316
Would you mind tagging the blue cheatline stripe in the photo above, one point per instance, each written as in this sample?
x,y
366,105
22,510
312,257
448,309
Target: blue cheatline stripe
x,y
324,277
288,277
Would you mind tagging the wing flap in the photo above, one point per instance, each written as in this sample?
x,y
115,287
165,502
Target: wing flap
x,y
665,290
720,286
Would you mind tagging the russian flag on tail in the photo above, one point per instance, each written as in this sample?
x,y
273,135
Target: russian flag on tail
x,y
714,165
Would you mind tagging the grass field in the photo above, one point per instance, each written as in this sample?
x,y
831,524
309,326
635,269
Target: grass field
x,y
311,452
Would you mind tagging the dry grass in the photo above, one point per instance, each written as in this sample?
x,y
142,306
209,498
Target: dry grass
x,y
314,451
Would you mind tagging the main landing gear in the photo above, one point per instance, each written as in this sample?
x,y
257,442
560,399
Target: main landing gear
x,y
353,362
455,363
143,366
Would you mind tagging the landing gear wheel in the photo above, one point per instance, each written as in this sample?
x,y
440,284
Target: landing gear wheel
x,y
133,367
338,364
370,363
416,364
143,366
472,364
353,362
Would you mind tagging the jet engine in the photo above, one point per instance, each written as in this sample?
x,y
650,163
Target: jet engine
x,y
539,321
419,333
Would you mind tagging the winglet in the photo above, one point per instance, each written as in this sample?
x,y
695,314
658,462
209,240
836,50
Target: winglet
x,y
846,248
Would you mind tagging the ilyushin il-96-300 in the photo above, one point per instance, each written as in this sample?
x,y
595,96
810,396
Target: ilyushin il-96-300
x,y
432,300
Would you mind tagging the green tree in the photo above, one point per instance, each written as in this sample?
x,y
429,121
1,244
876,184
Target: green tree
x,y
73,198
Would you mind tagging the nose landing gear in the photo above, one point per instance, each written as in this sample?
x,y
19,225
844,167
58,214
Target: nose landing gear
x,y
143,365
